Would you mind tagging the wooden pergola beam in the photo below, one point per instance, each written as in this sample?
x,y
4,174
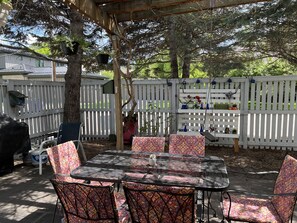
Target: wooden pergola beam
x,y
192,6
136,5
91,11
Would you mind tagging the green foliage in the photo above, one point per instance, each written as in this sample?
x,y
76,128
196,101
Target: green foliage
x,y
42,48
265,67
107,73
5,1
69,41
153,121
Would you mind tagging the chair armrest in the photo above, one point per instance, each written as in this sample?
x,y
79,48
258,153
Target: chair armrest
x,y
80,147
258,195
48,141
61,175
246,193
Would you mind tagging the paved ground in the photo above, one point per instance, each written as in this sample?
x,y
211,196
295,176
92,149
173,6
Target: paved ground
x,y
27,197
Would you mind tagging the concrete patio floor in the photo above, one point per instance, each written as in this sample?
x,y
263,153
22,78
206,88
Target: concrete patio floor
x,y
27,197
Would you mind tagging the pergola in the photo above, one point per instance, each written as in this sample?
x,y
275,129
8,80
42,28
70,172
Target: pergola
x,y
110,13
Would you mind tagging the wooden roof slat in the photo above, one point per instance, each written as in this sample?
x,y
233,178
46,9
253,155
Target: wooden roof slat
x,y
180,9
103,12
89,8
136,5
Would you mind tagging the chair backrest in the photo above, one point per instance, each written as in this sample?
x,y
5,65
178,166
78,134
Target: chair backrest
x,y
286,183
187,144
86,203
151,203
63,158
148,144
68,131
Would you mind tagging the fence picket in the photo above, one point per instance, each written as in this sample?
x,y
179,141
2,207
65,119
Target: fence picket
x,y
268,107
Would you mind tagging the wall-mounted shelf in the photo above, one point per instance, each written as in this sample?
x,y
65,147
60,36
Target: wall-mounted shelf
x,y
215,120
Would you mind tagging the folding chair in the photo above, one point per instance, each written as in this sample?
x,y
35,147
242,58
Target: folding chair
x,y
160,204
278,208
88,203
66,132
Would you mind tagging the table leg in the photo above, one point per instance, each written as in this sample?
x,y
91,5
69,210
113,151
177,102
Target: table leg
x,y
200,206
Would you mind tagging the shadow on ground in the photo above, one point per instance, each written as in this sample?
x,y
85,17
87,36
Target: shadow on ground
x,y
27,197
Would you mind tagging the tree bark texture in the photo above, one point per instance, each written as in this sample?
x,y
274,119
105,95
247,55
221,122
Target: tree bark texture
x,y
186,65
172,49
73,74
187,55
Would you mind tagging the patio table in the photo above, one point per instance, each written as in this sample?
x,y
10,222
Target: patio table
x,y
207,173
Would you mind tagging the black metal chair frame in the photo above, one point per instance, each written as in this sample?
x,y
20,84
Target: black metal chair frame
x,y
63,197
132,203
226,194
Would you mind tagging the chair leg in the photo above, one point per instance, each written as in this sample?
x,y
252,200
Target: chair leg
x,y
55,210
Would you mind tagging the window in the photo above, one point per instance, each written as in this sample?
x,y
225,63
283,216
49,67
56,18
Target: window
x,y
60,64
39,63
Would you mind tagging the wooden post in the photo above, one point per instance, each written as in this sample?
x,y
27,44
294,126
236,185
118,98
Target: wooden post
x,y
54,74
118,92
236,146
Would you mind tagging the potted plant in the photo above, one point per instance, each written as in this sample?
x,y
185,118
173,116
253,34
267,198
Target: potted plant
x,y
5,7
234,131
102,58
69,45
69,48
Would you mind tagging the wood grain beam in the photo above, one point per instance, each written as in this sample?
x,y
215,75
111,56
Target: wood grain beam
x,y
93,12
193,6
136,5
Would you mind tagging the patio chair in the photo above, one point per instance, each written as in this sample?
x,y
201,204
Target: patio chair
x,y
278,208
64,158
148,144
88,203
66,132
159,204
187,144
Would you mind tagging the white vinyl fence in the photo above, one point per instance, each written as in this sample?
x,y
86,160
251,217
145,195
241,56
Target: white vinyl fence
x,y
267,108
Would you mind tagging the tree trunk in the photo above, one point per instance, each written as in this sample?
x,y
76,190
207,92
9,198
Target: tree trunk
x,y
187,54
73,74
186,65
172,49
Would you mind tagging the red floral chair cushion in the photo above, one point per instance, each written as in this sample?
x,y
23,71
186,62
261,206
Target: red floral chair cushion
x,y
148,144
84,203
286,182
64,158
278,209
250,209
187,145
152,203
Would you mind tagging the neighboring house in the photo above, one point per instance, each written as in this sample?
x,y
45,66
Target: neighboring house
x,y
20,65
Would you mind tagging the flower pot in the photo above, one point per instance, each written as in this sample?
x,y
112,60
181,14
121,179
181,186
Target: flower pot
x,y
184,106
68,50
102,58
4,12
